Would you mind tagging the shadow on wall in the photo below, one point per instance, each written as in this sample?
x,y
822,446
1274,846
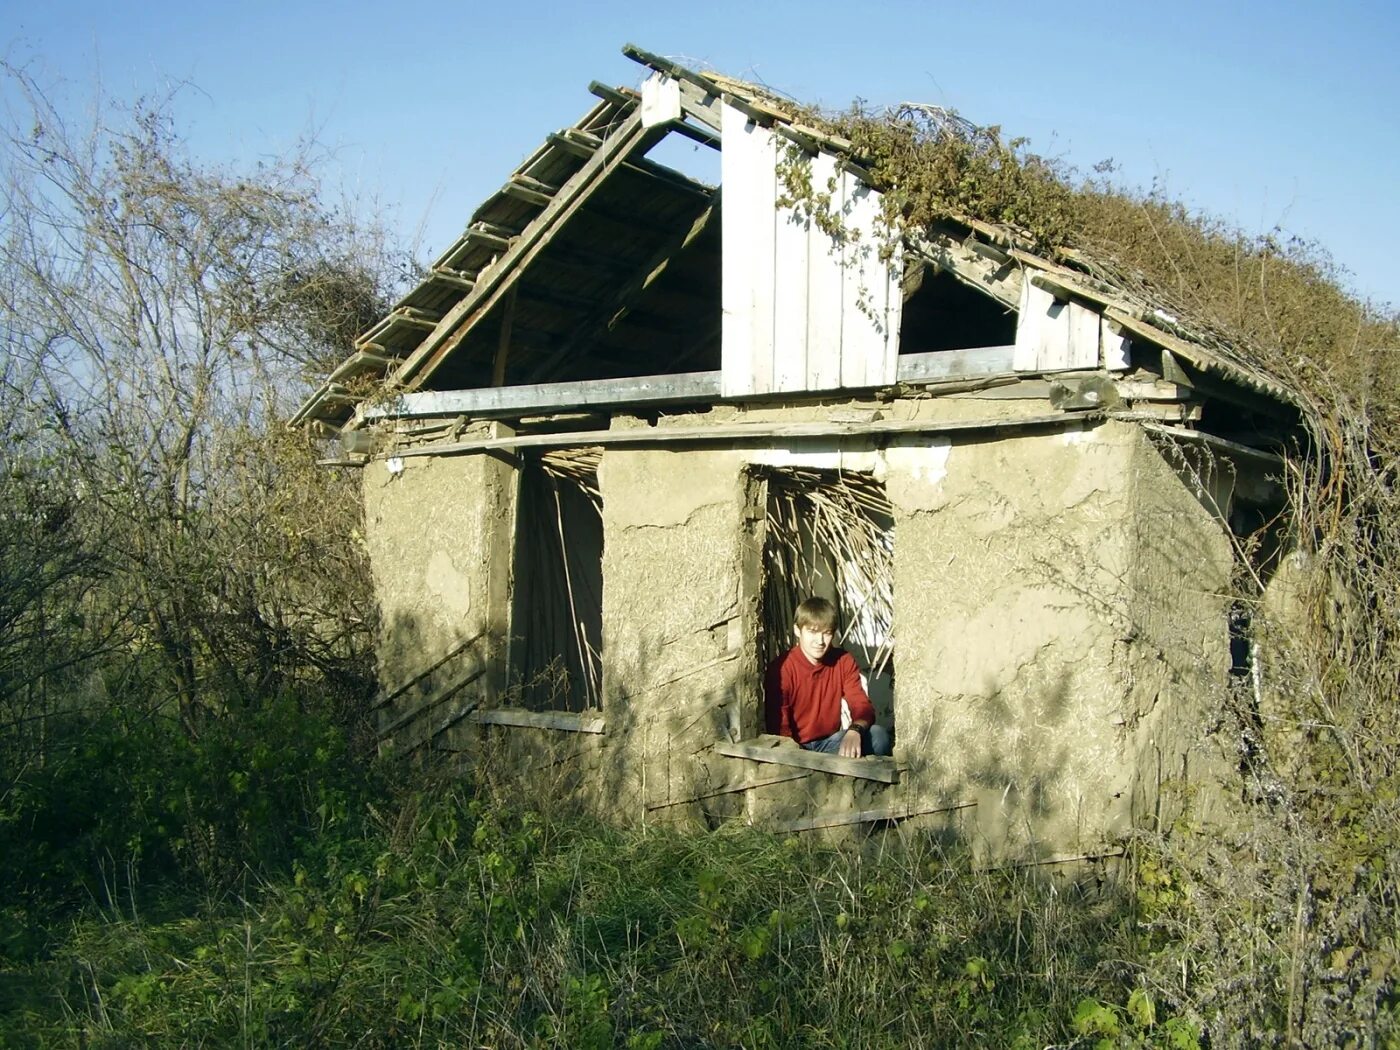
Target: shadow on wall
x,y
1029,748
655,760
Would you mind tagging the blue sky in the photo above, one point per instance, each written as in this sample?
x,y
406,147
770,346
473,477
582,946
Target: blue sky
x,y
1267,114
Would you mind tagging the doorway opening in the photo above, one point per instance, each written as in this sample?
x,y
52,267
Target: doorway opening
x,y
557,604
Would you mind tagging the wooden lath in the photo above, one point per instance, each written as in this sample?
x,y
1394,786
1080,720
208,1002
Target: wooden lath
x,y
606,313
493,284
455,276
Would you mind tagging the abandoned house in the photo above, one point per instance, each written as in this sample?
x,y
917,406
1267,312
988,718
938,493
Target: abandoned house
x,y
630,418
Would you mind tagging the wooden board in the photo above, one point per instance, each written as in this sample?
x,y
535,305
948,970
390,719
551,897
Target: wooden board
x,y
824,291
866,816
767,749
1116,347
748,163
661,100
567,721
1052,333
549,397
802,310
765,432
945,364
792,243
1082,337
871,297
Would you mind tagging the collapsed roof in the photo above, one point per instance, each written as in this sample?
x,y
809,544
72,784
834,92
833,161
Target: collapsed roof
x,y
595,262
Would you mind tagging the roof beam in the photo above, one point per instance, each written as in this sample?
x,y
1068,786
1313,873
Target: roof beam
x,y
701,105
764,432
583,144
485,402
494,283
1002,281
645,277
617,96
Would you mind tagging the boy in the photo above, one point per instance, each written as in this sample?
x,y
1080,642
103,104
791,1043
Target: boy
x,y
803,690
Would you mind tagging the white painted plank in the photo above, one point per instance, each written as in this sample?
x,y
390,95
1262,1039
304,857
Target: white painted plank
x,y
863,287
1116,355
945,364
894,309
791,243
748,161
548,397
1082,344
824,287
1027,345
661,100
1042,331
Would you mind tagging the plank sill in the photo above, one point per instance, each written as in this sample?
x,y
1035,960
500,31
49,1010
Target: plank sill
x,y
782,752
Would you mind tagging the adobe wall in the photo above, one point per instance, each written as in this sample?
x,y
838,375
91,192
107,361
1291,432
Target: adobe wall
x,y
438,537
1178,656
1049,661
1059,621
674,629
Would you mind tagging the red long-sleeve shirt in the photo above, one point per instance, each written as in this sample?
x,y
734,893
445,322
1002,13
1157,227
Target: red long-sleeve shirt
x,y
803,700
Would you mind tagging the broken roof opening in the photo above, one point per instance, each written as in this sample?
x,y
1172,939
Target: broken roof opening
x,y
942,313
688,157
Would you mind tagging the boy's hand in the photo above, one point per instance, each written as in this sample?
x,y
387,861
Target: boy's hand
x,y
850,744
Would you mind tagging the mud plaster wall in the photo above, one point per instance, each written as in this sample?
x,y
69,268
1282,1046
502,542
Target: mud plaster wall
x,y
672,631
1175,652
1040,582
1060,616
435,533
1009,556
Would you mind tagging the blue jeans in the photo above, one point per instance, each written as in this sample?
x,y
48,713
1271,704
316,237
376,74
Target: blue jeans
x,y
873,741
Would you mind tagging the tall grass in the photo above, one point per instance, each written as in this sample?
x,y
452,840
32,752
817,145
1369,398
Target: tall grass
x,y
452,917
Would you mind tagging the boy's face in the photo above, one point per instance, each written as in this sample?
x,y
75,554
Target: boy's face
x,y
813,641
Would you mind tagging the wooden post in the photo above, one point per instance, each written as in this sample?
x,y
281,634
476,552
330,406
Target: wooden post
x,y
498,367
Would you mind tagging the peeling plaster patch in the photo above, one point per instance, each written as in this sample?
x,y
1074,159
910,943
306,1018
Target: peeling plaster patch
x,y
927,463
826,459
450,585
916,474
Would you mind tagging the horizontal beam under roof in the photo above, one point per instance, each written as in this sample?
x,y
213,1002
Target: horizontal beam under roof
x,y
505,401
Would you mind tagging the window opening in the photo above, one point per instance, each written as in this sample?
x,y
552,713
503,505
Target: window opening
x,y
830,534
557,621
942,313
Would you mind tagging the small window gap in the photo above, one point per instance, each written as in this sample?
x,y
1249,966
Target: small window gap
x,y
945,314
557,605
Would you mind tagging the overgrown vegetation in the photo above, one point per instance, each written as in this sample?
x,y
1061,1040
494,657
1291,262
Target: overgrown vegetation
x,y
1283,930
195,847
454,917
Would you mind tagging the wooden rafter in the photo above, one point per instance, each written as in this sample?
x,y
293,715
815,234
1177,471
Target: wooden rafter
x,y
623,298
494,283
